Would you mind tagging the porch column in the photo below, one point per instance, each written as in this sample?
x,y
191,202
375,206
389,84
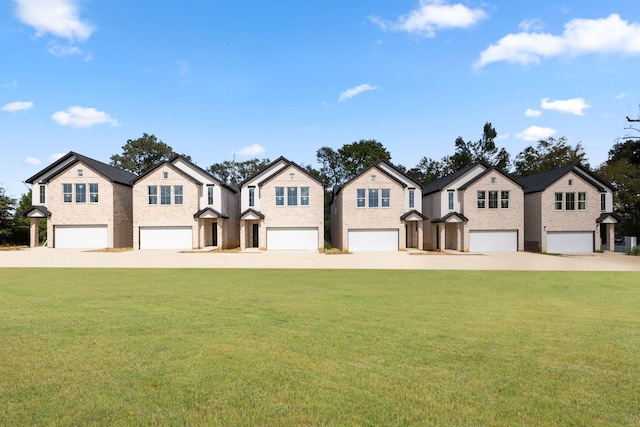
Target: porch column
x,y
442,237
420,235
459,234
243,235
222,226
33,232
611,237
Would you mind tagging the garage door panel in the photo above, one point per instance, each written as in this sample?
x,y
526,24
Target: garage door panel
x,y
292,239
373,240
493,241
80,236
166,238
569,242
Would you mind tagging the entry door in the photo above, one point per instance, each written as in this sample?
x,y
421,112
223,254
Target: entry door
x,y
255,236
214,234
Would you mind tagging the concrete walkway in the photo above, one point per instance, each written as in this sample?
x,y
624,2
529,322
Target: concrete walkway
x,y
415,260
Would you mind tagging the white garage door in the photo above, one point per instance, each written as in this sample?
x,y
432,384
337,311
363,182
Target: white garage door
x,y
166,238
373,240
292,238
493,241
80,236
559,242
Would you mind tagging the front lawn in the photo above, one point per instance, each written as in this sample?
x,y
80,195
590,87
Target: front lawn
x,y
318,347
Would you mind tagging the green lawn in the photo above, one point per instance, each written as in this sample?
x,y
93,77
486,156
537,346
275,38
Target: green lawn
x,y
310,347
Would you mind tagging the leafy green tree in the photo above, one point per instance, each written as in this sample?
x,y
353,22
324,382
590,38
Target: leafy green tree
x,y
484,149
349,160
548,154
139,155
7,209
234,173
428,170
622,170
23,224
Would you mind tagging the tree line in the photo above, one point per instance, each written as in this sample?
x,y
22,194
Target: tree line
x,y
337,166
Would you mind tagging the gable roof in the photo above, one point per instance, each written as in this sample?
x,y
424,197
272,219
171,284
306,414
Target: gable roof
x,y
209,174
109,172
487,171
170,166
209,210
376,165
36,212
442,183
540,181
276,173
451,215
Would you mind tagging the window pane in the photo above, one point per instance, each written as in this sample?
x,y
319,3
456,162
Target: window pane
x,y
412,198
570,201
177,194
81,193
279,196
482,199
558,202
386,192
66,193
493,199
450,196
42,195
504,199
603,202
292,196
210,195
304,196
360,197
165,194
153,195
252,197
582,201
373,197
93,193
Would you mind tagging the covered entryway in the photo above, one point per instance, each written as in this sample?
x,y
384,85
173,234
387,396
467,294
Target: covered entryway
x,y
493,241
80,236
292,238
559,242
373,240
166,238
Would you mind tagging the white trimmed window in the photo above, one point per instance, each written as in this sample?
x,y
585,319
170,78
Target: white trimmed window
x,y
360,195
450,199
165,194
570,201
177,194
582,201
504,199
482,199
412,198
252,196
279,196
93,193
373,197
386,195
153,195
603,202
558,202
304,196
292,196
81,193
67,195
210,195
493,200
43,198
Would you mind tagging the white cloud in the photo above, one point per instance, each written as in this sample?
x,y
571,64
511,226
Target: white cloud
x,y
12,107
32,161
532,113
531,25
536,133
622,95
82,117
580,37
433,15
56,156
57,17
12,84
350,93
59,50
251,150
572,106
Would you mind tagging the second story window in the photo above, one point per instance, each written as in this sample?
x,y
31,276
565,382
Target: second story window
x,y
66,193
373,197
165,194
81,193
603,202
386,194
210,195
412,198
279,196
482,199
582,201
493,200
450,199
504,199
177,194
93,193
252,196
153,194
304,196
43,198
292,196
360,195
557,205
570,201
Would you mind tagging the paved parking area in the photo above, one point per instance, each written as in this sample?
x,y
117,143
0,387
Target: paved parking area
x,y
415,260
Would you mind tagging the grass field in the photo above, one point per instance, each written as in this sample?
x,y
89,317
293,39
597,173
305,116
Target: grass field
x,y
309,347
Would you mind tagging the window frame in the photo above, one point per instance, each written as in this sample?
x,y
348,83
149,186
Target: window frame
x,y
385,200
152,193
412,198
252,197
94,193
165,195
43,194
582,201
210,194
493,199
558,201
178,195
67,196
279,196
361,198
450,199
292,196
304,196
373,198
569,201
481,199
603,202
81,193
504,199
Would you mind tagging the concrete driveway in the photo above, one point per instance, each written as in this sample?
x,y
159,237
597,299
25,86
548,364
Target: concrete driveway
x,y
414,260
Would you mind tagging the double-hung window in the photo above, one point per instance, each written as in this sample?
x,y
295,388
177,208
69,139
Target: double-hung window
x,y
482,199
373,197
386,195
279,196
304,196
504,199
412,198
570,201
582,201
360,198
450,199
558,202
93,193
153,194
292,196
165,194
43,198
67,196
81,193
252,196
177,194
493,200
210,195
603,202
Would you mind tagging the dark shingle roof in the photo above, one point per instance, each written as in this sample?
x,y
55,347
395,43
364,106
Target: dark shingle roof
x,y
442,183
540,181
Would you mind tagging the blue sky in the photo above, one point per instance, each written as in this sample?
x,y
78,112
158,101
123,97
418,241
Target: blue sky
x,y
214,78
